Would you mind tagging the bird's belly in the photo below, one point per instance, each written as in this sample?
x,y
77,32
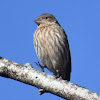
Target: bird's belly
x,y
46,59
50,50
52,59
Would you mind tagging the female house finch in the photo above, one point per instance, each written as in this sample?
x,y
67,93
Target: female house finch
x,y
52,47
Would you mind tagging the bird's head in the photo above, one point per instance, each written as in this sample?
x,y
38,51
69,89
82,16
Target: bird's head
x,y
45,19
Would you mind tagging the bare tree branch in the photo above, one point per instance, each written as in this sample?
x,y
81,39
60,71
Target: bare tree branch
x,y
45,82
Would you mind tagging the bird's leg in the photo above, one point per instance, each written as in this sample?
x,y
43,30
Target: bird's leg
x,y
38,64
57,75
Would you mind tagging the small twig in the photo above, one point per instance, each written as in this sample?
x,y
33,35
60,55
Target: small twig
x,y
41,91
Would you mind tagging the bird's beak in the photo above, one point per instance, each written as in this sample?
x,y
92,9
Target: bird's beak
x,y
38,21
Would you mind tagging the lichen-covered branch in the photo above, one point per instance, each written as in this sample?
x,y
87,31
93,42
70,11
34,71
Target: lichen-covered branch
x,y
45,82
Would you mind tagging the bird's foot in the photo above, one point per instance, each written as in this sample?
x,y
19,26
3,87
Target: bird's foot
x,y
38,64
57,76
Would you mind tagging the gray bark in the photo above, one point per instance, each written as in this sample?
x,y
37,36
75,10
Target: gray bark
x,y
45,82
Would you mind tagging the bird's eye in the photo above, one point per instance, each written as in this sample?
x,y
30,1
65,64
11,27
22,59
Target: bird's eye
x,y
46,17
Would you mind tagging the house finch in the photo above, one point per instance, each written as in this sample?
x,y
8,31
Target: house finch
x,y
52,47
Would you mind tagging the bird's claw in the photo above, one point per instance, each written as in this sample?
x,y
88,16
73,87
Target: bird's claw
x,y
38,64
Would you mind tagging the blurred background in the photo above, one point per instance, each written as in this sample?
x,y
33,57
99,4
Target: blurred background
x,y
81,22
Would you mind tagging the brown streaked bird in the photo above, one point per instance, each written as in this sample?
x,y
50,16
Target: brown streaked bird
x,y
52,47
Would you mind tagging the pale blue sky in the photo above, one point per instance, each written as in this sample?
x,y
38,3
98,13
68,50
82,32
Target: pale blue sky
x,y
81,22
